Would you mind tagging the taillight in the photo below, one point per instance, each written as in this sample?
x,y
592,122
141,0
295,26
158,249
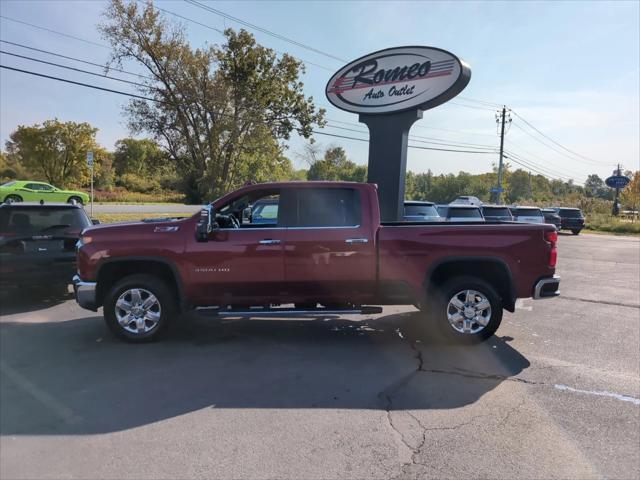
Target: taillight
x,y
551,236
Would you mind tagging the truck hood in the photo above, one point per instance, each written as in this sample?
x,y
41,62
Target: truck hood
x,y
127,230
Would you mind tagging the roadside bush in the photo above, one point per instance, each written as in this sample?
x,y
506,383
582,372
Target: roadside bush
x,y
120,194
138,183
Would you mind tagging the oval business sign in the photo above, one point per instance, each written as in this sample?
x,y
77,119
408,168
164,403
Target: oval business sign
x,y
397,79
617,181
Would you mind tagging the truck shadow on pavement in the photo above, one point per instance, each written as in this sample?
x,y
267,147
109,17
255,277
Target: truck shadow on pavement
x,y
16,301
73,377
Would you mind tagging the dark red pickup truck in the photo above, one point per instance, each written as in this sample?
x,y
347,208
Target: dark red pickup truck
x,y
319,246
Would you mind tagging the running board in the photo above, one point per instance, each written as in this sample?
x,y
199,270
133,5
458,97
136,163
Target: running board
x,y
289,312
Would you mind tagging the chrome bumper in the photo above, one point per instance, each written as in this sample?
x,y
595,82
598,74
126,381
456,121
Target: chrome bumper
x,y
547,288
85,293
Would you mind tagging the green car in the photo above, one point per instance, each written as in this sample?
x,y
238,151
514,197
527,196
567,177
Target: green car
x,y
27,191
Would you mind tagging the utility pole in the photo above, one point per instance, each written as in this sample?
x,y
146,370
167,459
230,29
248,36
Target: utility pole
x,y
501,119
616,210
530,189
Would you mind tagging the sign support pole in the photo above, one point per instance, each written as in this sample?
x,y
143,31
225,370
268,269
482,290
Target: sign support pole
x,y
616,210
90,165
91,213
388,143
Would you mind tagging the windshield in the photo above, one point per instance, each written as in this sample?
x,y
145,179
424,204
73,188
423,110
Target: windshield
x,y
8,184
496,212
570,213
464,213
37,220
528,212
420,211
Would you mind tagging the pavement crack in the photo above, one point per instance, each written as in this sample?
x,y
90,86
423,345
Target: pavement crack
x,y
601,302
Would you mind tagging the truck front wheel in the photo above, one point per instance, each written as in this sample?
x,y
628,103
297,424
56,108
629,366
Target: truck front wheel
x,y
138,308
466,309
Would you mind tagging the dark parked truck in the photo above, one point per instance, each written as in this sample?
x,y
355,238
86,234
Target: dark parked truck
x,y
324,251
571,219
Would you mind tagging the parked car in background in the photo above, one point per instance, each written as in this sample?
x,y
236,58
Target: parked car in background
x,y
467,200
416,211
460,213
571,219
551,217
28,191
265,211
328,247
38,243
527,214
496,213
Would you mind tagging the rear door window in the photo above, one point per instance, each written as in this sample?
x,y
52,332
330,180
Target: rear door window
x,y
528,212
39,220
464,213
324,207
420,210
570,213
496,212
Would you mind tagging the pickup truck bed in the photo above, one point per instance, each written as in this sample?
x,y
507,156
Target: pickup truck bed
x,y
326,247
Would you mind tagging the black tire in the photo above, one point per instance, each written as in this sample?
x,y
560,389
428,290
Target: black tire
x,y
13,198
576,232
78,200
437,308
165,297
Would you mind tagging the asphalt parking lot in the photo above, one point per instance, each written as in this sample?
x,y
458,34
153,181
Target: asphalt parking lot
x,y
556,394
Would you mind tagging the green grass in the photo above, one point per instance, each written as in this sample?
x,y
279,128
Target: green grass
x,y
135,217
616,225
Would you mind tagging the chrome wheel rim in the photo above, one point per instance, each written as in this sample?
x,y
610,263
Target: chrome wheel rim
x,y
138,311
469,311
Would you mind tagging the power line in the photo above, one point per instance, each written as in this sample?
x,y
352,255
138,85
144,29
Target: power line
x,y
313,49
416,138
513,144
54,31
263,30
475,107
410,146
74,59
72,68
539,169
306,62
88,85
556,143
555,149
482,102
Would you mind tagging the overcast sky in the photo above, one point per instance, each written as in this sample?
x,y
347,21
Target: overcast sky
x,y
569,68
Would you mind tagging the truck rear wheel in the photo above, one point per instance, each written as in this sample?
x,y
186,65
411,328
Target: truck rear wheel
x,y
138,308
466,309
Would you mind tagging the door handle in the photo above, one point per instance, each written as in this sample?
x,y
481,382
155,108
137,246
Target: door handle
x,y
268,241
351,241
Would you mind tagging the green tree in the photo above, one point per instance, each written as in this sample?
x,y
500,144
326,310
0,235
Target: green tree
x,y
594,186
55,151
139,157
335,166
630,197
211,105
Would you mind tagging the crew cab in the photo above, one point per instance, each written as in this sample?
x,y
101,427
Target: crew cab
x,y
325,251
